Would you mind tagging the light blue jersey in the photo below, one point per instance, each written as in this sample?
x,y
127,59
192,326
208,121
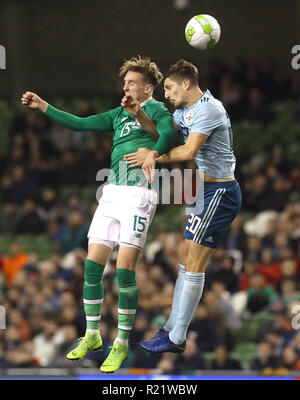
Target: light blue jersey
x,y
208,116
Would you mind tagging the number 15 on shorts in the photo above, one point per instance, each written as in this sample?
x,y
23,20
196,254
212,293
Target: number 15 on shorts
x,y
139,225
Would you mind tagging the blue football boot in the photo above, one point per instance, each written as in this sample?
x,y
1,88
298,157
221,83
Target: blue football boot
x,y
160,343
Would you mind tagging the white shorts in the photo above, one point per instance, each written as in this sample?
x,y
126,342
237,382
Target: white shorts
x,y
123,215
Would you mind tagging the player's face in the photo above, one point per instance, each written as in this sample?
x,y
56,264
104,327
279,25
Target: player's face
x,y
136,86
175,93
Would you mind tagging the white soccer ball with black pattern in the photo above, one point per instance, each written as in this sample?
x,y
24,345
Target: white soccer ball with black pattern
x,y
202,31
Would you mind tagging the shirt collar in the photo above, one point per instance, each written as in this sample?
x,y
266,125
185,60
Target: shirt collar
x,y
144,102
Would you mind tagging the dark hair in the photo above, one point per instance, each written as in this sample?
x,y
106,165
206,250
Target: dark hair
x,y
183,70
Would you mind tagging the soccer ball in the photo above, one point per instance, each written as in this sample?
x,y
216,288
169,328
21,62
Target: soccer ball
x,y
202,31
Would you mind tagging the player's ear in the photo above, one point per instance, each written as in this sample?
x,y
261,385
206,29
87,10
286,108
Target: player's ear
x,y
186,84
149,88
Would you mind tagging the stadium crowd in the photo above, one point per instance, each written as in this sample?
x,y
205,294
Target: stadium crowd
x,y
256,271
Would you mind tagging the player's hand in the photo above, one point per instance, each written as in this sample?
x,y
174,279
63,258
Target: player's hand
x,y
32,100
130,104
138,158
149,166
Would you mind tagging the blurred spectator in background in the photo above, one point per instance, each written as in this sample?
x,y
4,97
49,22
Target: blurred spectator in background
x,y
70,168
259,295
64,347
264,359
256,109
9,218
30,221
249,269
269,268
141,324
235,237
205,328
143,359
275,340
14,262
75,233
21,186
16,319
94,158
253,249
20,356
190,359
47,343
74,203
289,360
48,204
289,292
222,361
165,365
225,275
281,324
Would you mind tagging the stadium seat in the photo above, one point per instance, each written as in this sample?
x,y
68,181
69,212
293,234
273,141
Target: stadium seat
x,y
66,191
88,194
247,332
38,244
5,241
244,353
262,319
208,358
250,328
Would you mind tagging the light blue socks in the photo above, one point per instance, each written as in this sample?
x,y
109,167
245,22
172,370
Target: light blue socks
x,y
176,297
186,300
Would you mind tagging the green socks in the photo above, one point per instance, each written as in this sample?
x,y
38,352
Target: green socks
x,y
93,299
93,294
128,302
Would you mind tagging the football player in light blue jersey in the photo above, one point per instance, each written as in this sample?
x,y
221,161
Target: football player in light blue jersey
x,y
206,128
206,116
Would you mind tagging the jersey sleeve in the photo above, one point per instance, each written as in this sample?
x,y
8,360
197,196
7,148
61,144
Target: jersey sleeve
x,y
99,122
164,127
207,120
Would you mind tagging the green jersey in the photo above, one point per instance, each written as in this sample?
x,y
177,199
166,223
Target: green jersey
x,y
128,135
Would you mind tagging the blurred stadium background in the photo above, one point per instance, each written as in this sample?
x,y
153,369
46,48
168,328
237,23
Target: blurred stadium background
x,y
70,56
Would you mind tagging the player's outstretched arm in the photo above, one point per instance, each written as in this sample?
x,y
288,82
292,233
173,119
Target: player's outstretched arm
x,y
100,122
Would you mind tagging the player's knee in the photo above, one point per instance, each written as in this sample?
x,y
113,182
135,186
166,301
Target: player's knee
x,y
126,278
93,272
195,263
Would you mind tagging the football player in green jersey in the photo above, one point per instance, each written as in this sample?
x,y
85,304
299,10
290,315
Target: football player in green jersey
x,y
127,205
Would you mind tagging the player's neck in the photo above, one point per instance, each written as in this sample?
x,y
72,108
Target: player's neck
x,y
193,97
143,100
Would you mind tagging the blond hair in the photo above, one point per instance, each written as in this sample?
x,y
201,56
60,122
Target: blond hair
x,y
145,66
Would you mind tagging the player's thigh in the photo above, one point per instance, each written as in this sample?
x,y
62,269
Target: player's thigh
x,y
136,218
183,252
98,253
128,256
197,256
